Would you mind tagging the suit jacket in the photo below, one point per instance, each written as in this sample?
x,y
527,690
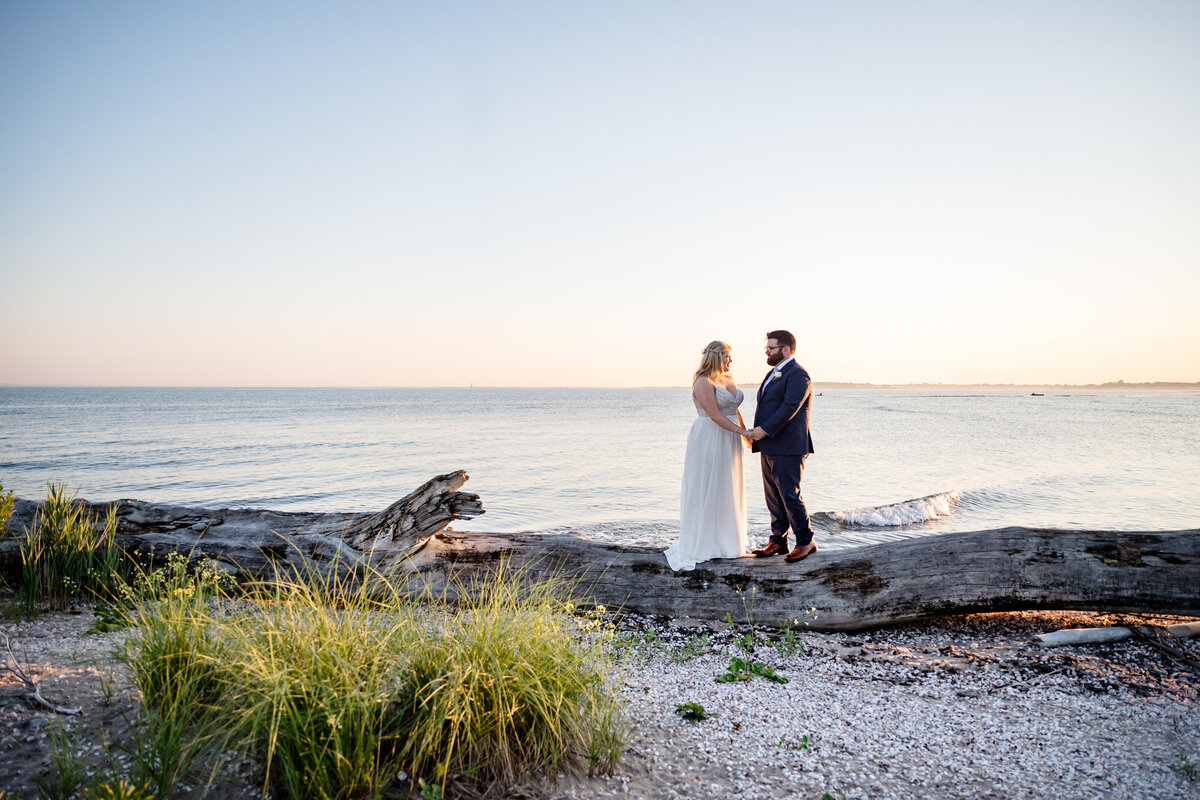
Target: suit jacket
x,y
783,412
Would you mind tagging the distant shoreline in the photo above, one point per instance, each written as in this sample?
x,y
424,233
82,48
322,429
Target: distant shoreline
x,y
1055,387
1109,386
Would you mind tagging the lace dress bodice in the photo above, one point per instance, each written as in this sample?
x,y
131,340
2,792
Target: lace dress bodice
x,y
727,403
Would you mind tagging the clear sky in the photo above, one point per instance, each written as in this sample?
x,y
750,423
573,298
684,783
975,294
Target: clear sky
x,y
586,193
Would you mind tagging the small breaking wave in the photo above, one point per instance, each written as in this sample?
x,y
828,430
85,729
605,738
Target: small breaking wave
x,y
898,515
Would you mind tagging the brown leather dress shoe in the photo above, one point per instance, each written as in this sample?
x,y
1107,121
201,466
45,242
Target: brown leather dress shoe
x,y
772,549
801,551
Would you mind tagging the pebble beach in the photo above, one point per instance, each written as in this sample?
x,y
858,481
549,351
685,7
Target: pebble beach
x,y
959,707
962,707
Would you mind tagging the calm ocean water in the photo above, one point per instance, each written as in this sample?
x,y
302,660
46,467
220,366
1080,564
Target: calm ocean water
x,y
608,462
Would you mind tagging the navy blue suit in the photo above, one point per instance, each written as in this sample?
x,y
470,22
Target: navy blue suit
x,y
783,413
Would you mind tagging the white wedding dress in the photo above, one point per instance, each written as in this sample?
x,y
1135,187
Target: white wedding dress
x,y
712,512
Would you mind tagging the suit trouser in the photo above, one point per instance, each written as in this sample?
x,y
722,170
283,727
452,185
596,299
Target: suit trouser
x,y
781,482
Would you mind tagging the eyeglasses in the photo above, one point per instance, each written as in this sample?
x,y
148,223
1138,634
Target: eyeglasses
x,y
769,348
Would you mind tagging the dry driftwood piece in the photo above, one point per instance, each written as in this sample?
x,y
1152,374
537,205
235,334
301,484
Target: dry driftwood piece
x,y
1184,630
1010,569
407,524
33,692
1078,636
1161,639
1114,633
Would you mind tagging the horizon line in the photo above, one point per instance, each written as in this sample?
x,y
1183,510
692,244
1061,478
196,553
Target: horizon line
x,y
1118,384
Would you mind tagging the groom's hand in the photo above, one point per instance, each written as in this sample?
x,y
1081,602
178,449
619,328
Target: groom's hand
x,y
757,433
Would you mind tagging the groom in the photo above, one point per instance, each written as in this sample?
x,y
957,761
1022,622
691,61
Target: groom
x,y
781,436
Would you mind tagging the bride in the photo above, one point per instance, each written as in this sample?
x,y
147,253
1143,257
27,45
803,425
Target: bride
x,y
712,516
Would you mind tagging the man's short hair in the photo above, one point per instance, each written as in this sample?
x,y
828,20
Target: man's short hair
x,y
783,338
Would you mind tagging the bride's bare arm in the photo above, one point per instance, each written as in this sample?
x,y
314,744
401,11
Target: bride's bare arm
x,y
705,393
745,430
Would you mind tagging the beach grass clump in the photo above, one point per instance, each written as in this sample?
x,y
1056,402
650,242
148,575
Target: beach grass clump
x,y
179,657
68,553
505,686
6,508
6,512
337,687
311,687
181,661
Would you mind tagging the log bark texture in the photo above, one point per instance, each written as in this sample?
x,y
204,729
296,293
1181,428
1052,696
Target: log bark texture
x,y
1012,569
1009,569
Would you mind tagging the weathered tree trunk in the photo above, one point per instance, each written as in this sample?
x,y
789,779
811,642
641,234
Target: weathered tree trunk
x,y
854,588
254,542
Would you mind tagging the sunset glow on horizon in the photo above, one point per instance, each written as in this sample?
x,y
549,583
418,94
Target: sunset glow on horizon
x,y
585,194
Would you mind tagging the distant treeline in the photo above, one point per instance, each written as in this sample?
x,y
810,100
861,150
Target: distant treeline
x,y
1120,385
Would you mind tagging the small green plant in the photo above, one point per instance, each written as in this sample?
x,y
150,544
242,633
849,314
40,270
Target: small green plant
x,y
1184,766
645,643
788,744
179,577
748,642
696,646
431,791
109,618
693,712
67,769
608,734
740,669
788,644
108,687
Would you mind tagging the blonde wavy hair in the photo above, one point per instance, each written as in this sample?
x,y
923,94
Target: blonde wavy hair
x,y
712,361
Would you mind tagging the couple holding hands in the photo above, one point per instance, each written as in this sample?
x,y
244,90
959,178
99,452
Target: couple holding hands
x,y
713,502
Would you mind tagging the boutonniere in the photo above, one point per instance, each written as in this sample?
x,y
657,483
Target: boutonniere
x,y
776,375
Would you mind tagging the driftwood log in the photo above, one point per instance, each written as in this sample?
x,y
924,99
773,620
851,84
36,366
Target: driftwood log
x,y
1009,569
1070,637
